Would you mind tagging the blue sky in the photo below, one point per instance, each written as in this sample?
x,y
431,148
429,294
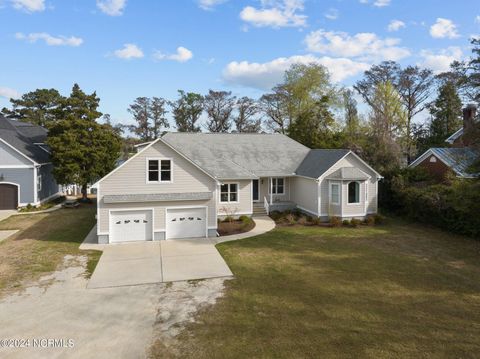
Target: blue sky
x,y
128,48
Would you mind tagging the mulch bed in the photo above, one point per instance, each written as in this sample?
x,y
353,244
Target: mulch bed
x,y
235,227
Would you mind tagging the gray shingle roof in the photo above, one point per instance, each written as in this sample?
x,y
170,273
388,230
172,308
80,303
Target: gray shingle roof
x,y
348,173
318,161
237,156
157,197
458,159
23,136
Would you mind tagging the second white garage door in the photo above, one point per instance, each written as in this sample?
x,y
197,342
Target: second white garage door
x,y
186,223
131,226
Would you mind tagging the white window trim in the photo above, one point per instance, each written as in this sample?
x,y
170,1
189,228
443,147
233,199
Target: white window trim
x,y
220,192
339,193
159,159
359,194
270,188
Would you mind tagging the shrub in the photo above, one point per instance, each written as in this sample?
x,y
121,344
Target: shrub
x,y
228,219
276,215
378,219
309,219
244,219
370,220
355,222
302,220
346,222
335,221
290,219
316,221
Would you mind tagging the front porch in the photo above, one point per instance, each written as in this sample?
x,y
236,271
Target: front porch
x,y
271,194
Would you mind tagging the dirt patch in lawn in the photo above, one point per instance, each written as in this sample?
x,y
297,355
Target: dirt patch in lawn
x,y
235,227
42,242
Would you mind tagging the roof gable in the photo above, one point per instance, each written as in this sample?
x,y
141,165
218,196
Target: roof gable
x,y
23,137
318,161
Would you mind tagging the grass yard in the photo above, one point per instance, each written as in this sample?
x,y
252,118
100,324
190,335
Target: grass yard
x,y
394,291
41,244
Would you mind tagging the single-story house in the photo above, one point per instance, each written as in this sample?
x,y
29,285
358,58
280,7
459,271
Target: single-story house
x,y
180,184
25,166
439,162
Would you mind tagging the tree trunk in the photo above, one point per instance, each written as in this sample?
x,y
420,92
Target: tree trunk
x,y
84,193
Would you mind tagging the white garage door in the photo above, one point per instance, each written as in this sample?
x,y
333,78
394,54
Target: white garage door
x,y
186,223
130,226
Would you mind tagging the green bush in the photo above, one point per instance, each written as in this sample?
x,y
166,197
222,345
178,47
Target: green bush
x,y
335,221
454,207
355,222
346,222
276,215
316,221
244,219
378,219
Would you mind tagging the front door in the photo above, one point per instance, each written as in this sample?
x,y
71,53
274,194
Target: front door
x,y
255,194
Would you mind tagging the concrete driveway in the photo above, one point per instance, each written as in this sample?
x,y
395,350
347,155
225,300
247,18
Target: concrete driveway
x,y
5,213
127,264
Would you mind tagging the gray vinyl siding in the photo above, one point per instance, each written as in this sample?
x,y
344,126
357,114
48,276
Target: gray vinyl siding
x,y
22,177
10,157
131,178
49,185
304,192
265,190
346,210
244,205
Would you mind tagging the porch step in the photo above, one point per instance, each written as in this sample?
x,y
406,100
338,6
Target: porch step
x,y
259,211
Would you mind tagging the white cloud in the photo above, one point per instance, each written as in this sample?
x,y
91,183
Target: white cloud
x,y
209,4
266,75
182,55
29,5
395,25
275,13
381,3
9,93
477,19
332,14
444,28
129,51
365,46
377,3
49,39
112,7
440,61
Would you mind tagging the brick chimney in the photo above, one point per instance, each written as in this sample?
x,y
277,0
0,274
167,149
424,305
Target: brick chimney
x,y
469,114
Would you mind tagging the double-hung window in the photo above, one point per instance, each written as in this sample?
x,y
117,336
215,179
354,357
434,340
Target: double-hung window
x,y
229,192
278,186
159,170
353,192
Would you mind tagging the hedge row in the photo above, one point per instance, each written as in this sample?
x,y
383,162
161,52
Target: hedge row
x,y
454,207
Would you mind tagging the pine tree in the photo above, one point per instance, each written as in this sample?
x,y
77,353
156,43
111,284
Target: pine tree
x,y
219,106
187,110
82,150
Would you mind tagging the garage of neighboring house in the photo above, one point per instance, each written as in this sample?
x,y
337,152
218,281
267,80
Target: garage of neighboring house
x,y
131,225
186,222
8,196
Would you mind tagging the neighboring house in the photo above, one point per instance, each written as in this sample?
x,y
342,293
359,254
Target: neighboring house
x,y
25,167
455,160
180,184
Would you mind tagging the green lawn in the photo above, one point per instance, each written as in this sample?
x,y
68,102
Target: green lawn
x,y
394,291
41,244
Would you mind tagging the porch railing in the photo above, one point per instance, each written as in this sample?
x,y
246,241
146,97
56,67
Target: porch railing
x,y
266,205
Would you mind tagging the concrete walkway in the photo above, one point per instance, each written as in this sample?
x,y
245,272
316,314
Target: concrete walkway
x,y
5,213
263,224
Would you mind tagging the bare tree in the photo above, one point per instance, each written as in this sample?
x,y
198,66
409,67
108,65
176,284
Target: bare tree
x,y
219,106
414,86
273,106
247,112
